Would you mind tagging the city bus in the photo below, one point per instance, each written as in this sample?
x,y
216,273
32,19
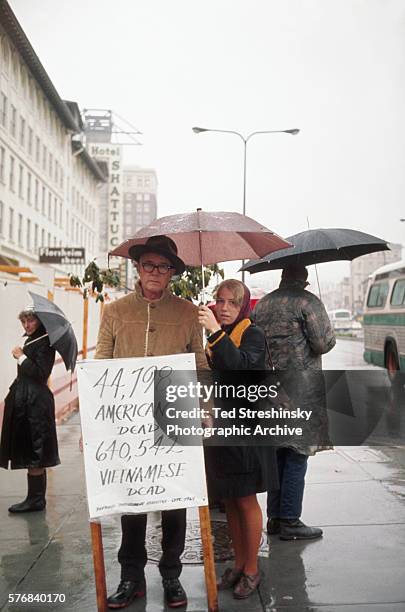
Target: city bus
x,y
384,318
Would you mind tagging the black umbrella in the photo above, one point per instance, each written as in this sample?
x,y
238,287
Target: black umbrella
x,y
58,328
317,246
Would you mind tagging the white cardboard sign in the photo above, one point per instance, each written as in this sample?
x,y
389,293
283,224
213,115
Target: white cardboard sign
x,y
130,467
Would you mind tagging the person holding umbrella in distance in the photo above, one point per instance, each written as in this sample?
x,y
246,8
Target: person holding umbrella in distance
x,y
28,436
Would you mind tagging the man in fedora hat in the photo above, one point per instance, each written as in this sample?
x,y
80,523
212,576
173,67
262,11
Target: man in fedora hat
x,y
151,321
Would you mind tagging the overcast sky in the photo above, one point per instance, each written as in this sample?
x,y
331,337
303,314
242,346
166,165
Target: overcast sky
x,y
333,68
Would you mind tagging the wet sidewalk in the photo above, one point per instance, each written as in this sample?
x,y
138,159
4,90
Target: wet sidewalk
x,y
357,495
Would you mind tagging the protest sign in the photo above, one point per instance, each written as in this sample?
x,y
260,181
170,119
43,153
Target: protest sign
x,y
132,467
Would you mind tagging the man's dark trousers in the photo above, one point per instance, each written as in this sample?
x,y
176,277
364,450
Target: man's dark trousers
x,y
286,502
132,553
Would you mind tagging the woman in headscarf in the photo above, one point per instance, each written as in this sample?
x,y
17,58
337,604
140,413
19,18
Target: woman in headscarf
x,y
235,473
28,436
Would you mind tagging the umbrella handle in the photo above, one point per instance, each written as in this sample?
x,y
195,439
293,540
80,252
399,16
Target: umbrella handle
x,y
36,340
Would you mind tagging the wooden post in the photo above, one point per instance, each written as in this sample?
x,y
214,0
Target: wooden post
x,y
99,567
85,326
95,528
209,563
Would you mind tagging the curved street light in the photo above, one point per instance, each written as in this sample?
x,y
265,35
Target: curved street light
x,y
245,139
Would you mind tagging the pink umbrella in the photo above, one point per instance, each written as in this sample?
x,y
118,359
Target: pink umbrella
x,y
204,238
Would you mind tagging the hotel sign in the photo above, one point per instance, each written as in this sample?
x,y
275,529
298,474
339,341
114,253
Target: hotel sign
x,y
112,154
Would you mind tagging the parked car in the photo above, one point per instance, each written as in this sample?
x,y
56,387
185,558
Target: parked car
x,y
343,322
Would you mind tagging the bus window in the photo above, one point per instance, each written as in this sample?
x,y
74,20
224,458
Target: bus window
x,y
377,295
398,294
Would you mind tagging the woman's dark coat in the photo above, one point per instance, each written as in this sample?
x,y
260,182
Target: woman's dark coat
x,y
28,437
238,471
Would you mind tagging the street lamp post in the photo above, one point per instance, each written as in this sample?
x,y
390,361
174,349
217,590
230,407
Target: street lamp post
x,y
245,140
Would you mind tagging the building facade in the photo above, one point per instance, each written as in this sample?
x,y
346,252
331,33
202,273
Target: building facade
x,y
48,184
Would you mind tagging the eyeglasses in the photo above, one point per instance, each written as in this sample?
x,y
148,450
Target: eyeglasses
x,y
161,268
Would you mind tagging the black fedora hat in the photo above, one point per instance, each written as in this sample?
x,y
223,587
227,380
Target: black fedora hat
x,y
162,245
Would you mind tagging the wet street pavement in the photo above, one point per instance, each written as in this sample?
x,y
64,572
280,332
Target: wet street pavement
x,y
356,494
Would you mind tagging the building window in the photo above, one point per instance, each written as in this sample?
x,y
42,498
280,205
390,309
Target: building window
x,y
44,154
23,81
19,230
42,237
50,206
1,218
55,211
43,200
3,110
22,131
11,224
139,181
67,223
36,196
30,140
146,196
11,178
13,122
49,238
20,181
56,172
36,237
2,163
14,63
37,150
29,188
50,165
6,54
28,234
60,213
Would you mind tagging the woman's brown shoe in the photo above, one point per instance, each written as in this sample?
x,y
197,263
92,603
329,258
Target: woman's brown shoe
x,y
246,586
228,579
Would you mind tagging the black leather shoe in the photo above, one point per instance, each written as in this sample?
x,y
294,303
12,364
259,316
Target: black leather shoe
x,y
273,526
175,595
125,594
296,530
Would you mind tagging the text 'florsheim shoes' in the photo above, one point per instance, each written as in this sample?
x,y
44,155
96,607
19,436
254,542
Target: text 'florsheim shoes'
x,y
175,595
295,529
35,500
246,586
125,594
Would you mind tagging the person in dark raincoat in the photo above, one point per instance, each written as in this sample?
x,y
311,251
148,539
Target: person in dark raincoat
x,y
28,436
236,473
298,331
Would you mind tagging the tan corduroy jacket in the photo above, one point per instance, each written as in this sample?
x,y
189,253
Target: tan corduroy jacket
x,y
134,327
